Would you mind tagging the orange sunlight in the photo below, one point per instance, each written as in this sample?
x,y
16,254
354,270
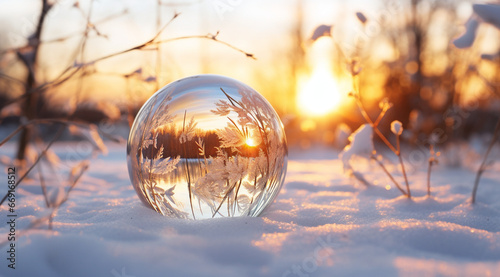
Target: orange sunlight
x,y
251,142
319,94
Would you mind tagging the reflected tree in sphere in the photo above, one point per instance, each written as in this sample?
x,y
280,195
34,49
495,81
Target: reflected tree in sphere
x,y
207,146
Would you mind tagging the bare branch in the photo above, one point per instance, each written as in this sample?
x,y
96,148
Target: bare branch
x,y
389,175
56,137
10,78
209,37
55,121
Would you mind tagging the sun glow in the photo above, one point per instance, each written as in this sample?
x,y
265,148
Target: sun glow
x,y
319,94
251,142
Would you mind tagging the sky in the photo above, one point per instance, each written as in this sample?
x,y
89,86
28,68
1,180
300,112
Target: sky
x,y
262,28
259,27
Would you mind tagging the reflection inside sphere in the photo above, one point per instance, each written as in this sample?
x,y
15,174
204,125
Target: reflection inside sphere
x,y
207,146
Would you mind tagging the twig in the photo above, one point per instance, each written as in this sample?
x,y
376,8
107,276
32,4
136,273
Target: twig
x,y
187,167
58,134
76,178
398,153
389,175
404,175
72,70
158,47
28,56
429,179
432,160
72,35
44,187
54,121
10,78
396,150
368,119
83,46
209,37
482,168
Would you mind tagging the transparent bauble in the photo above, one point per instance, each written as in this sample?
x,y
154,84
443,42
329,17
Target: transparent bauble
x,y
207,146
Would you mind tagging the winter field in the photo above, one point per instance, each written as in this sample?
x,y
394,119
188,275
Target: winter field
x,y
323,223
74,74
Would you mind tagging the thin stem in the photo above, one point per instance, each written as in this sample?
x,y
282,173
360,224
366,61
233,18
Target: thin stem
x,y
10,78
374,125
362,110
44,187
209,37
385,140
398,146
224,198
398,153
158,47
389,175
482,168
52,121
66,197
72,70
368,119
187,166
235,203
432,160
380,116
83,46
404,174
58,134
429,178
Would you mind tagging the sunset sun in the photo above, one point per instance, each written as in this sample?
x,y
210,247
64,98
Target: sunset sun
x,y
251,142
319,94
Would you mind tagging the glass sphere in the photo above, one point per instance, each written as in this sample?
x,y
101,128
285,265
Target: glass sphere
x,y
207,146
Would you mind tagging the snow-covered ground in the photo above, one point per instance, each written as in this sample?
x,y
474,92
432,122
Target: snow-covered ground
x,y
322,224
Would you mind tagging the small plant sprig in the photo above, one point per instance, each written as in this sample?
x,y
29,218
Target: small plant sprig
x,y
355,69
396,128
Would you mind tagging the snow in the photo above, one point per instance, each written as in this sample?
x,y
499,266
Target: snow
x,y
361,17
322,224
467,39
361,145
321,31
489,13
397,127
